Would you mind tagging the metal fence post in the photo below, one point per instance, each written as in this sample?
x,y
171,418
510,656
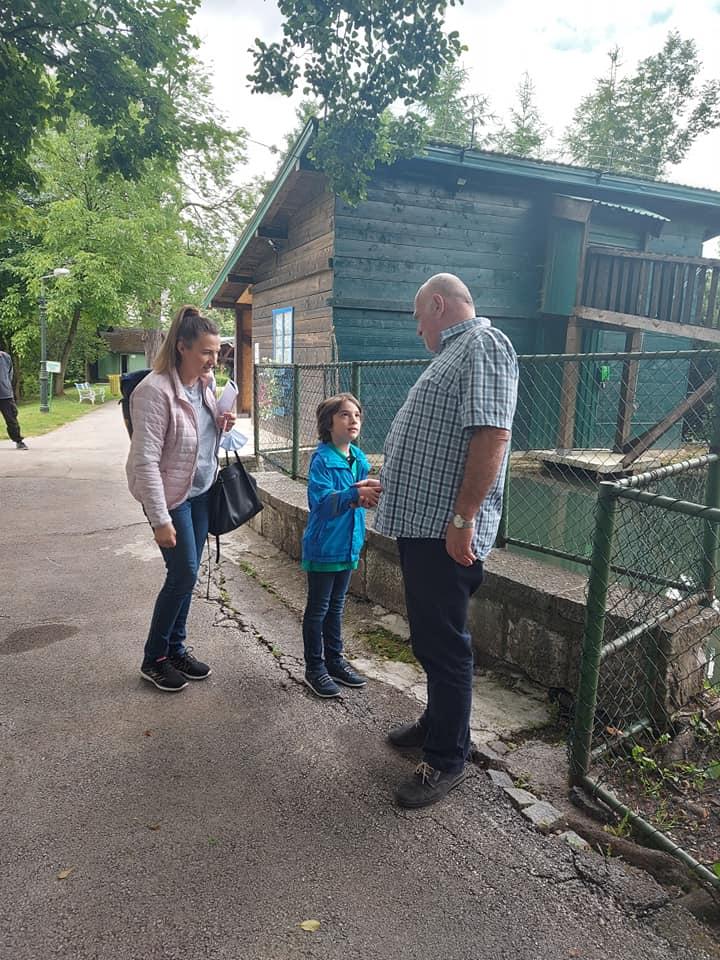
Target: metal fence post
x,y
594,633
295,422
502,534
355,380
712,499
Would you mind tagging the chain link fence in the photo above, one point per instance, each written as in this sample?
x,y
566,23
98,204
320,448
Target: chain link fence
x,y
646,732
580,418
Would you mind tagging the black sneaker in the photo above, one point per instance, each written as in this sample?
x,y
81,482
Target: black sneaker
x,y
164,675
189,666
21,445
323,686
410,736
343,673
427,785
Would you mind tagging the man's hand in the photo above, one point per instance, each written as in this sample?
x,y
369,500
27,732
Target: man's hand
x,y
165,536
457,544
370,491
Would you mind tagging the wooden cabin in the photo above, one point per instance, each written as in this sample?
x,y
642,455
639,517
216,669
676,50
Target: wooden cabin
x,y
562,258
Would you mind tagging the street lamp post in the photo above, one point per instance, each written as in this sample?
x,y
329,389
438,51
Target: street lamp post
x,y
44,397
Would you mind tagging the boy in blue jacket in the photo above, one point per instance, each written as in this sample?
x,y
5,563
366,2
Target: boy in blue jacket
x,y
338,491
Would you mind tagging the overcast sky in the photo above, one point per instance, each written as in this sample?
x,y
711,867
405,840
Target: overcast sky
x,y
563,44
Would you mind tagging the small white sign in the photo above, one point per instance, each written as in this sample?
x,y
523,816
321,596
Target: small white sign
x,y
52,366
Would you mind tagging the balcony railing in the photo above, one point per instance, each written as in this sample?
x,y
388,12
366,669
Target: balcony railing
x,y
667,293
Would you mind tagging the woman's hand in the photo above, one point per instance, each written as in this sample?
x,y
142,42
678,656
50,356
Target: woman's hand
x,y
165,536
226,421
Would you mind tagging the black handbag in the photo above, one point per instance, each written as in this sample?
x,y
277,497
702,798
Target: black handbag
x,y
233,499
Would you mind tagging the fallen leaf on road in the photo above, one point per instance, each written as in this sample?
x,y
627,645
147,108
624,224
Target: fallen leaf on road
x,y
153,826
311,925
147,733
64,874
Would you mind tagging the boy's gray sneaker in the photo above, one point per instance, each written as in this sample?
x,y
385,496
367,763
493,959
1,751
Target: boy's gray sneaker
x,y
21,445
343,673
323,686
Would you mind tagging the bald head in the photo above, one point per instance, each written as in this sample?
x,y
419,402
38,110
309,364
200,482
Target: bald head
x,y
452,288
441,302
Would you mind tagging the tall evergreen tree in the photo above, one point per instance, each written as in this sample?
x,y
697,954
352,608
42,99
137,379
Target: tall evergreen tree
x,y
525,135
645,122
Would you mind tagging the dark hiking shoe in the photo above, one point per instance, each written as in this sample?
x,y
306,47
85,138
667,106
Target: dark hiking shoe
x,y
21,445
164,675
189,666
427,785
343,673
322,686
410,736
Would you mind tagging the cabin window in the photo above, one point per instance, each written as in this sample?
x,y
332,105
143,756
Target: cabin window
x,y
282,335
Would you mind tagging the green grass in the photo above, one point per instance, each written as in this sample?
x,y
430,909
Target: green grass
x,y
385,644
63,409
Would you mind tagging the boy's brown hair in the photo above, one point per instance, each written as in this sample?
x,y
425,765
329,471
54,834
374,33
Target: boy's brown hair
x,y
327,410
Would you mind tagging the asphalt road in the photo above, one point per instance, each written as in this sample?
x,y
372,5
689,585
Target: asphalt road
x,y
209,824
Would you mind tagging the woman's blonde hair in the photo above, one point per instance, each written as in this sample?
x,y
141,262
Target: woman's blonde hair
x,y
187,326
327,410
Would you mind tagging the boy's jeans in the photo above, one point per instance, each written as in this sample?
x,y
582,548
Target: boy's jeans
x,y
322,622
167,628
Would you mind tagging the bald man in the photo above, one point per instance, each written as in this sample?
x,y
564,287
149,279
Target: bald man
x,y
443,474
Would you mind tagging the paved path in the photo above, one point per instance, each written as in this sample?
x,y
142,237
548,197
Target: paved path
x,y
207,825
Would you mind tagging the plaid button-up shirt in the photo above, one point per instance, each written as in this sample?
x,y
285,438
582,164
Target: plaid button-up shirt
x,y
470,383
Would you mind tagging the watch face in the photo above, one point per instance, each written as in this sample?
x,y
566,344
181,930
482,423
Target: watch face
x,y
458,521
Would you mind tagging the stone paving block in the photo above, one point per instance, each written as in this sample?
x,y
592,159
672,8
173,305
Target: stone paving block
x,y
499,747
575,840
520,798
486,757
542,815
500,778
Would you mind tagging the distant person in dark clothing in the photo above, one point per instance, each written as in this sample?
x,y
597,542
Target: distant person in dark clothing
x,y
8,407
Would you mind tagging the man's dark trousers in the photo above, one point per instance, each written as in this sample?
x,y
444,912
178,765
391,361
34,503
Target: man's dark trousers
x,y
437,594
10,414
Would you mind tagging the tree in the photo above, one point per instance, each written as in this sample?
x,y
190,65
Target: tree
x,y
356,59
136,249
110,60
526,133
647,121
453,116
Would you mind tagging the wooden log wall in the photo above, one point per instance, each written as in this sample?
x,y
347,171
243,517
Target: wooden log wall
x,y
299,275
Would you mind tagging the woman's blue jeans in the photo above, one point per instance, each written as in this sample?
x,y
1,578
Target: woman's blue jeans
x,y
322,622
182,562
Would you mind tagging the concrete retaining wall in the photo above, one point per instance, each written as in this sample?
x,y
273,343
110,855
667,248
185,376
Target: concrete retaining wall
x,y
527,614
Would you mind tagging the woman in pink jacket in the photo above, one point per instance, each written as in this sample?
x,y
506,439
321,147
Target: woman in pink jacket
x,y
170,469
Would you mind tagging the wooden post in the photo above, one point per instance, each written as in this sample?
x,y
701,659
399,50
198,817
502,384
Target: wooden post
x,y
243,358
628,390
568,393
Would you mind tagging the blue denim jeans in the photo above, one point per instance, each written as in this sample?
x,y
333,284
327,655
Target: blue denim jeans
x,y
182,562
437,595
322,622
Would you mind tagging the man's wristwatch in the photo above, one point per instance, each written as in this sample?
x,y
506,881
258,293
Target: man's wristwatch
x,y
461,523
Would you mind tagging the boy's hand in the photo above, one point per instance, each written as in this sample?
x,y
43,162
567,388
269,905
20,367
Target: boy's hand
x,y
370,491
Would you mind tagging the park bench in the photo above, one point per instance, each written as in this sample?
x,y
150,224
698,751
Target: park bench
x,y
88,392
